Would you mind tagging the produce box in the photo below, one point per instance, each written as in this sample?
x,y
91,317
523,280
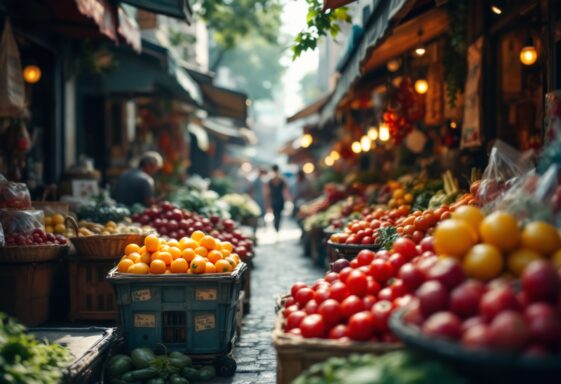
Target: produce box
x,y
194,314
90,348
91,295
296,354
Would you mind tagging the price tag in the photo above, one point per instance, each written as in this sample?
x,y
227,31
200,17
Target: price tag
x,y
144,320
205,294
142,295
204,322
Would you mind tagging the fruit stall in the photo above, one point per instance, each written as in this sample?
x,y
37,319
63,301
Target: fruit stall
x,y
146,294
425,277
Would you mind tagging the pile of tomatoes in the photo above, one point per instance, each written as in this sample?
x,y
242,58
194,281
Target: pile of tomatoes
x,y
355,300
419,224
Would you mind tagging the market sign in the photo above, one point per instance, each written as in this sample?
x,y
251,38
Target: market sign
x,y
471,128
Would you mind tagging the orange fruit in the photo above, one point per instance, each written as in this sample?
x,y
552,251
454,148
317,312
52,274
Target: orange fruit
x,y
139,269
231,261
198,265
154,256
469,214
520,258
188,254
145,258
210,268
152,243
201,251
134,257
164,248
226,245
454,238
157,267
541,237
124,265
142,249
197,236
208,242
166,257
214,256
167,272
225,253
223,266
175,252
501,230
186,242
483,262
130,248
173,243
236,257
179,266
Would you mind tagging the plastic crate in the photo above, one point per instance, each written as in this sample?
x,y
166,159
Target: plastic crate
x,y
27,290
194,314
89,346
91,296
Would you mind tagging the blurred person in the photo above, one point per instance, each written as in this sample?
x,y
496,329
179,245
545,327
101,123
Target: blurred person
x,y
257,190
277,193
304,190
137,185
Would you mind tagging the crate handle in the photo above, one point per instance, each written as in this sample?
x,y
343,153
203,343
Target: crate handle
x,y
71,222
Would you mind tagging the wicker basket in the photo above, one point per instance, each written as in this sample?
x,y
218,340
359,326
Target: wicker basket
x,y
31,253
296,354
346,251
102,247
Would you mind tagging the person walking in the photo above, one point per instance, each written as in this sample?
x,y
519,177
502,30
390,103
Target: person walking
x,y
137,185
277,193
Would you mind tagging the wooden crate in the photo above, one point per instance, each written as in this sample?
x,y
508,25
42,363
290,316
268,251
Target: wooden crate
x,y
91,296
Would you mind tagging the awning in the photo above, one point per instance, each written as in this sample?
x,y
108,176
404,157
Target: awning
x,y
385,13
309,110
180,9
200,134
227,130
129,30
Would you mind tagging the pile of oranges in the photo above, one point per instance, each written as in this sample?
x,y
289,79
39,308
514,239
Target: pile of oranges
x,y
197,254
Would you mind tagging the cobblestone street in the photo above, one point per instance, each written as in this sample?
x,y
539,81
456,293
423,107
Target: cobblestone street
x,y
277,266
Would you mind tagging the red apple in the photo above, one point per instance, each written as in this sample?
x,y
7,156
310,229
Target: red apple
x,y
540,281
476,336
496,301
448,271
508,331
464,299
443,324
544,323
433,297
411,276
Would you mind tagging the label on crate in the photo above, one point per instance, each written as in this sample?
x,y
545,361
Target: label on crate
x,y
205,294
144,320
142,295
205,322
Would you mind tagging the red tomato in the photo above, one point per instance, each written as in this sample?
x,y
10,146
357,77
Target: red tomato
x,y
351,305
294,320
383,254
386,294
398,288
412,276
338,291
369,301
381,312
373,286
338,332
289,301
354,264
406,247
402,301
365,257
417,237
312,326
361,326
397,260
331,312
322,294
381,270
295,332
331,277
357,283
318,283
296,287
304,295
311,307
288,310
345,272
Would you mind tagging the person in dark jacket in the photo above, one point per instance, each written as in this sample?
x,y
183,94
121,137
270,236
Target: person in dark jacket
x,y
137,185
277,193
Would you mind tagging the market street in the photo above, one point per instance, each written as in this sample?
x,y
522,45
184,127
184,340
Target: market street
x,y
276,268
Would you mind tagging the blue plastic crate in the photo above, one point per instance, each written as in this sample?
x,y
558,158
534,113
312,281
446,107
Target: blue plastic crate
x,y
194,314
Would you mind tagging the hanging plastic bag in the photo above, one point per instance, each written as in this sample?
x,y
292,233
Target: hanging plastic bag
x,y
16,222
12,89
14,195
506,166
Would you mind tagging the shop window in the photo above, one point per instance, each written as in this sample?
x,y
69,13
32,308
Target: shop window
x,y
174,327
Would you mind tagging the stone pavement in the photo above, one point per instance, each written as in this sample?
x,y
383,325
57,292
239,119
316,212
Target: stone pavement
x,y
277,266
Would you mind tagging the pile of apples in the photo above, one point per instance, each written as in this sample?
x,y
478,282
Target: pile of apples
x,y
175,223
37,237
494,315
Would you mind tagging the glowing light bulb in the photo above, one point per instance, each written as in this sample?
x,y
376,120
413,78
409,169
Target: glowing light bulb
x,y
365,143
496,9
528,55
335,155
421,86
32,74
356,147
420,51
384,133
308,168
329,161
373,133
306,140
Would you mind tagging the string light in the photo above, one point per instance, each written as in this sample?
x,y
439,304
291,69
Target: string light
x,y
373,133
365,143
528,54
393,65
308,168
384,133
306,140
329,161
356,147
335,155
496,9
420,49
32,74
421,86
453,125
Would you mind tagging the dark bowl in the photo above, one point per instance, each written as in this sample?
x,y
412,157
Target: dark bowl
x,y
347,251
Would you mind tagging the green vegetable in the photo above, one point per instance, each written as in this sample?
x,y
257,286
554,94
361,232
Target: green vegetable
x,y
179,360
118,365
142,357
140,374
24,359
207,372
190,373
386,237
178,380
156,380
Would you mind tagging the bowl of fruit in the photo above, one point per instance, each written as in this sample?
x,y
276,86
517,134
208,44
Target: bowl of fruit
x,y
505,331
31,247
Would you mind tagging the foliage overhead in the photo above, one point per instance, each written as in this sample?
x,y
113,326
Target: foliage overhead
x,y
318,24
455,56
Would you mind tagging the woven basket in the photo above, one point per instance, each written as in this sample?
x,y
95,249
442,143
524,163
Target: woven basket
x,y
31,253
346,251
102,247
296,354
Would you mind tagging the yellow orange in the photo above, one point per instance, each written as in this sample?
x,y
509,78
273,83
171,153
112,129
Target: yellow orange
x,y
124,265
135,257
130,248
145,258
186,242
225,253
197,236
226,245
214,256
157,267
164,248
166,257
175,252
139,268
208,242
154,256
179,266
201,251
152,243
198,265
142,249
188,254
210,268
223,266
231,261
173,243
236,257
